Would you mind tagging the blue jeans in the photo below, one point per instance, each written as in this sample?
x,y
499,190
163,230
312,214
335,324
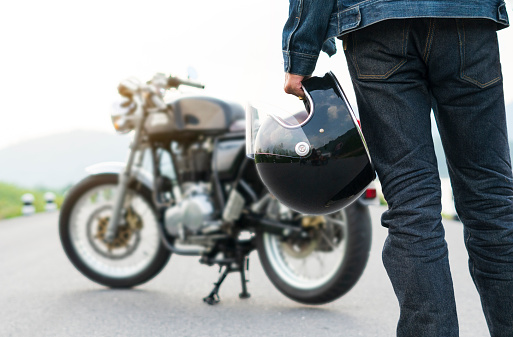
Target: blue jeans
x,y
401,69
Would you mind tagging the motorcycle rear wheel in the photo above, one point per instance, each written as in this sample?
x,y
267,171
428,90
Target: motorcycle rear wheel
x,y
298,269
137,254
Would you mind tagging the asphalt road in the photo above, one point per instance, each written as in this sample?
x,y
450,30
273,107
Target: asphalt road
x,y
41,294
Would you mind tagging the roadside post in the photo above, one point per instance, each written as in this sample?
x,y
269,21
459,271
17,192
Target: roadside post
x,y
28,204
50,205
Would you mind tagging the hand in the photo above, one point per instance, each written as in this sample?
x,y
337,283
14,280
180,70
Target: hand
x,y
293,85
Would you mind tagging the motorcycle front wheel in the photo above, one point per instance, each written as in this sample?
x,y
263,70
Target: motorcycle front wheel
x,y
137,253
324,266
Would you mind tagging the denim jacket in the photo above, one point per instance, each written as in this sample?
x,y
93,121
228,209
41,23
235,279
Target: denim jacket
x,y
313,24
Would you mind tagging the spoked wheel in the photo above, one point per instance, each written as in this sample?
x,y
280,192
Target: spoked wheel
x,y
324,265
135,255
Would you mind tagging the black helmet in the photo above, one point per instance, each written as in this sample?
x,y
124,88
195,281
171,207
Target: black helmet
x,y
315,162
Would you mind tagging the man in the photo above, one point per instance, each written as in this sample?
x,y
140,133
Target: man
x,y
405,58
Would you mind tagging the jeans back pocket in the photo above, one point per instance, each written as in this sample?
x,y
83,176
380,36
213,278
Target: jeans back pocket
x,y
379,50
479,52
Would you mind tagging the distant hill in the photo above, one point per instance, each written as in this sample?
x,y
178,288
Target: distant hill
x,y
59,160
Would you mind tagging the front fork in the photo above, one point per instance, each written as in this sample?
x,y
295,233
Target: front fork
x,y
135,155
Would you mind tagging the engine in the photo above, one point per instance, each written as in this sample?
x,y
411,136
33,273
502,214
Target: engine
x,y
193,215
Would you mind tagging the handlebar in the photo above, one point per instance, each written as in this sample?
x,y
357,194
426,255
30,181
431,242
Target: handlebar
x,y
132,87
175,82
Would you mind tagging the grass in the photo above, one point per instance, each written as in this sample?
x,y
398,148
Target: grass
x,y
10,199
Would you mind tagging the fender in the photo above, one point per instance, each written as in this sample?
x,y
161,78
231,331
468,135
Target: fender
x,y
142,175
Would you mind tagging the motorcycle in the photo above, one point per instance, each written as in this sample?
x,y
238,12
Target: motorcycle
x,y
203,197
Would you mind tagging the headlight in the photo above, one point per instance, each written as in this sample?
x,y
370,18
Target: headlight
x,y
121,114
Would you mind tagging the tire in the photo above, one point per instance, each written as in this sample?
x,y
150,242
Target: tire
x,y
140,255
353,249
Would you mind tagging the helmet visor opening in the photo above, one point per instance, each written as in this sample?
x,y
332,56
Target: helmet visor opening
x,y
260,113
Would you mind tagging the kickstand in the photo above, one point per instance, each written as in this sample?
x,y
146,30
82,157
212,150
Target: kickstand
x,y
213,297
245,266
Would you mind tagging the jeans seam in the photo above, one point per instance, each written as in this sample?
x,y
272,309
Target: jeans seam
x,y
429,41
482,85
473,268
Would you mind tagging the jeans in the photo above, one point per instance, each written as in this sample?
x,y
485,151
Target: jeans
x,y
401,69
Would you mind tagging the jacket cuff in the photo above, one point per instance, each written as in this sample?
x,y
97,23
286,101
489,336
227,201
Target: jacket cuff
x,y
299,63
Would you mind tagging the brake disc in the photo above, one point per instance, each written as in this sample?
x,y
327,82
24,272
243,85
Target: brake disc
x,y
313,221
124,234
324,237
127,235
133,219
299,248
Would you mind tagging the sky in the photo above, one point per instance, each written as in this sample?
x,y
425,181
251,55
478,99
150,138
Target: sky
x,y
61,61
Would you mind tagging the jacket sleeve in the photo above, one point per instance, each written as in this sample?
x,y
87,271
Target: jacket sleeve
x,y
304,34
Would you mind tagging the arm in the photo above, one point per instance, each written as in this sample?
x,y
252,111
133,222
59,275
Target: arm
x,y
304,33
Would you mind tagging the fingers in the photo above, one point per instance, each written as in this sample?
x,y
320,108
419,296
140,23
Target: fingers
x,y
293,85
